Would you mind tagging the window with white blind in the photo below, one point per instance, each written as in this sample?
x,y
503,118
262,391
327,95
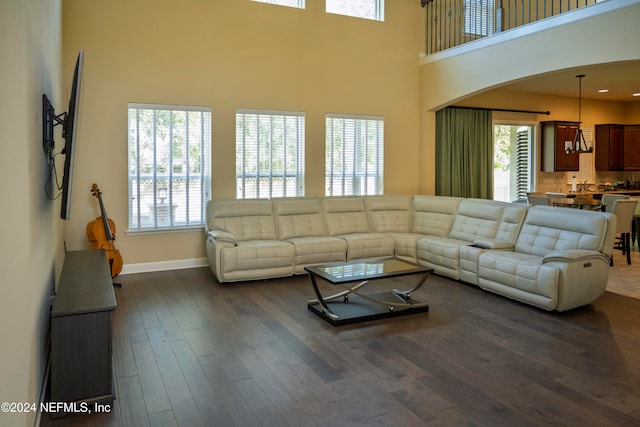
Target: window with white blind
x,y
269,154
478,17
291,3
368,9
169,166
354,155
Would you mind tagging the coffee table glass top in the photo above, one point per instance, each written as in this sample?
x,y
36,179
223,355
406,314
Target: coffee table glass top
x,y
366,269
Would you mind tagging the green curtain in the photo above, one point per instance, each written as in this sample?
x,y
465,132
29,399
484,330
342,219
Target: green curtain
x,y
464,153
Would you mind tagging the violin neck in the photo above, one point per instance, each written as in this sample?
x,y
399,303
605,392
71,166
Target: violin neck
x,y
105,219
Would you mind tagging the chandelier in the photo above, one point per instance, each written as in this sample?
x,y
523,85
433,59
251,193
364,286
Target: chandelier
x,y
579,145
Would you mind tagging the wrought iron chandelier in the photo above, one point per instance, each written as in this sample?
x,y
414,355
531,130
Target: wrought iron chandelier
x,y
579,145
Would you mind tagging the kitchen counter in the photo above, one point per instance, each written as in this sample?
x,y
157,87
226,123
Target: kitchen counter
x,y
594,194
598,194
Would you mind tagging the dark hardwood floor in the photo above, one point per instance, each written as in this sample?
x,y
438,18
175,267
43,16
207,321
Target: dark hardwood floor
x,y
189,351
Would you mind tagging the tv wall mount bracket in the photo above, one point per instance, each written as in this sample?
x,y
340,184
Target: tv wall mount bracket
x,y
49,121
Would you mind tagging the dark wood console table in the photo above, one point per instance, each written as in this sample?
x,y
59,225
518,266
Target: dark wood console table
x,y
81,330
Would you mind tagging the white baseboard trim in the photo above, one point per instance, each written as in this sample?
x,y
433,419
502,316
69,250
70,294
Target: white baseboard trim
x,y
147,267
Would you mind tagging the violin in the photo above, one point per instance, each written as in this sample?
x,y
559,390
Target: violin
x,y
102,235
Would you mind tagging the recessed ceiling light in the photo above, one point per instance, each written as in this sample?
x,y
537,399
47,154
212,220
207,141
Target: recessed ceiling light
x,y
603,90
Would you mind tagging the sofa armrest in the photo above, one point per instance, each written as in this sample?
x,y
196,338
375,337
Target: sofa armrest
x,y
575,255
493,244
222,236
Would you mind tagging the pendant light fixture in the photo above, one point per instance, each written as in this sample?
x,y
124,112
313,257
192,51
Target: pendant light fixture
x,y
579,145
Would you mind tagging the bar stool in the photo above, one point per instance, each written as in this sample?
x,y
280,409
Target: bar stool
x,y
608,199
635,224
538,200
624,211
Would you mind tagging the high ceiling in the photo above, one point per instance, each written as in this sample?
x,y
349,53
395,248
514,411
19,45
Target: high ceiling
x,y
622,79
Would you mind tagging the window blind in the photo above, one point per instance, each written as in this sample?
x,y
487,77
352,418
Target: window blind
x,y
169,166
354,155
522,163
478,17
269,154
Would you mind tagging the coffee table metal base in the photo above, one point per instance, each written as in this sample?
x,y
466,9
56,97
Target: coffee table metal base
x,y
353,306
360,310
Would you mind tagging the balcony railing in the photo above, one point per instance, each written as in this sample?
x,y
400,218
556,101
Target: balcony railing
x,y
452,23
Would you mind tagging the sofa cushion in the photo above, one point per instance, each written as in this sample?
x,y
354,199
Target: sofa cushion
x,y
511,222
406,245
468,257
257,254
434,214
243,219
389,214
318,250
441,254
520,276
345,215
547,229
298,217
369,245
476,218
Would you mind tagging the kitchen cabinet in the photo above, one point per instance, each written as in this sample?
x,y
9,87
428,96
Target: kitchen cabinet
x,y
557,136
632,147
609,147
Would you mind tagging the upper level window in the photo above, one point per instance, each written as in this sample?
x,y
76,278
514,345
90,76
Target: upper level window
x,y
269,154
169,166
478,17
291,3
354,155
368,9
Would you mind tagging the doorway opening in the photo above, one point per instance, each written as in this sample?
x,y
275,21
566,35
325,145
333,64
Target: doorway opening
x,y
512,161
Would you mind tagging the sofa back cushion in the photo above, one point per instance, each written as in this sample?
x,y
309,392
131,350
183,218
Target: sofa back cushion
x,y
245,219
434,214
511,222
388,214
476,218
298,217
345,215
547,229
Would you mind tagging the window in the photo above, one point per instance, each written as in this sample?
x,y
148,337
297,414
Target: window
x,y
512,167
354,155
291,3
169,166
478,17
269,154
368,9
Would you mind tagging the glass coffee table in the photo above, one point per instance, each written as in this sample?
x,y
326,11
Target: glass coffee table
x,y
352,305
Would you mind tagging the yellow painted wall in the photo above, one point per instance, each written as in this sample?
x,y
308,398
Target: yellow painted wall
x,y
230,54
632,112
31,250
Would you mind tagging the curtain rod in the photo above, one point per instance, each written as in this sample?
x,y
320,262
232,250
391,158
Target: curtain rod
x,y
505,110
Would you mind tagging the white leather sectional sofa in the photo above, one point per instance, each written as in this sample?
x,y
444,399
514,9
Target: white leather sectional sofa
x,y
549,257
